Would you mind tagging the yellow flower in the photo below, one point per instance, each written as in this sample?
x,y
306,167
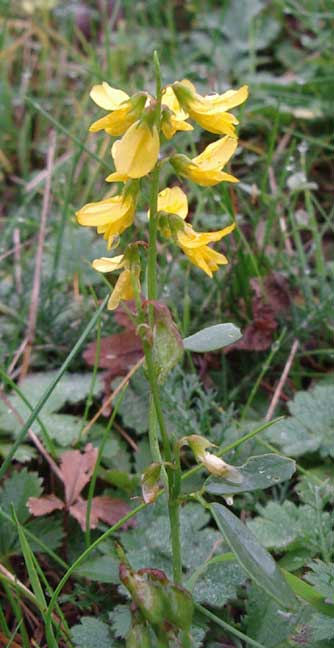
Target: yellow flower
x,y
173,116
110,216
210,111
123,289
195,246
137,152
125,110
174,201
206,169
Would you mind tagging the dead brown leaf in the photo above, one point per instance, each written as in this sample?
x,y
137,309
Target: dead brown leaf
x,y
77,469
44,505
103,507
110,510
78,510
277,292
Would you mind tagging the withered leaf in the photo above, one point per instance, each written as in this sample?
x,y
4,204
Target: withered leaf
x,y
104,508
77,469
258,335
78,510
44,505
277,293
110,510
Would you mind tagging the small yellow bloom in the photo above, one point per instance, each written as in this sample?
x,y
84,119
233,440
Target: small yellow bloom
x,y
125,110
110,216
123,289
173,116
210,111
194,244
173,201
137,152
206,169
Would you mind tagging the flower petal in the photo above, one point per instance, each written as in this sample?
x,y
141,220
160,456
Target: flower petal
x,y
137,152
173,201
217,154
123,290
107,97
109,264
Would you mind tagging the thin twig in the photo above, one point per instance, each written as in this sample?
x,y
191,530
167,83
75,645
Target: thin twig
x,y
33,437
126,436
282,380
17,260
112,396
16,357
38,265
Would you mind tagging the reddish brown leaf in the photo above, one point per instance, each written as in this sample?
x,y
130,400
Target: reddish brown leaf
x,y
77,469
103,508
110,510
44,505
79,511
117,352
277,292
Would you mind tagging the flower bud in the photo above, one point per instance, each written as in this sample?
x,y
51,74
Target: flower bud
x,y
214,465
147,588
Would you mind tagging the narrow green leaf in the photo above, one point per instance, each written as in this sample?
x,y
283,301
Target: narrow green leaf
x,y
257,473
212,338
308,593
29,560
257,562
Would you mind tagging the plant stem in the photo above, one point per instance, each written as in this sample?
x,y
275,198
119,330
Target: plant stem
x,y
152,293
174,519
152,289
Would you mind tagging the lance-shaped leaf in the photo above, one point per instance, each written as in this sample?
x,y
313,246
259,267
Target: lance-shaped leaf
x,y
212,338
150,482
257,473
257,562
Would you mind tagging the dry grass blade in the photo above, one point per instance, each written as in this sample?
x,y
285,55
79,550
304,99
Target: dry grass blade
x,y
282,381
38,265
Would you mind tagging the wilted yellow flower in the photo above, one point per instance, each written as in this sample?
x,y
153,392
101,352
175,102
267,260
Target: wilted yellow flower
x,y
125,110
110,216
194,244
173,117
210,111
212,463
137,152
206,168
123,289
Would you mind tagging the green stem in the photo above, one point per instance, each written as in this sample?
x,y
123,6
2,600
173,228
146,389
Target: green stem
x,y
152,293
174,519
152,286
